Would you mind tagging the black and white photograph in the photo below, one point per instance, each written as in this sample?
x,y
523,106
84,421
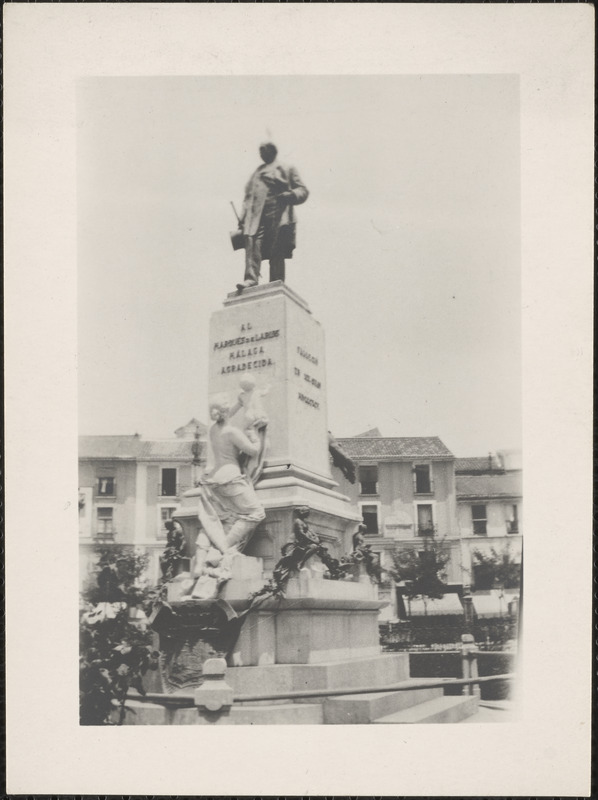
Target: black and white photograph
x,y
300,451
311,311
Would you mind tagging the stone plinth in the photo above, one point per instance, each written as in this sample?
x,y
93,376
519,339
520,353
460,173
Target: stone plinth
x,y
317,621
308,631
269,333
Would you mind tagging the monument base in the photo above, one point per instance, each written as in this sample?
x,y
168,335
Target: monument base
x,y
317,620
404,705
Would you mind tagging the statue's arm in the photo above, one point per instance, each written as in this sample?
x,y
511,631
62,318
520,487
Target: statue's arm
x,y
244,443
246,202
297,188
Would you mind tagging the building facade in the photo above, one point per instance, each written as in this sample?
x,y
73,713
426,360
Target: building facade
x,y
489,506
129,487
405,490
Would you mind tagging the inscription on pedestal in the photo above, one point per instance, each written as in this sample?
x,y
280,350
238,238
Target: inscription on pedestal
x,y
274,339
245,352
307,382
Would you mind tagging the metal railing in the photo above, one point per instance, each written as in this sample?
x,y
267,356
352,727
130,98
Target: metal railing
x,y
179,488
188,701
214,694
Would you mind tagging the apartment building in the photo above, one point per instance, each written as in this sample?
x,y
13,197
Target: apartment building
x,y
130,486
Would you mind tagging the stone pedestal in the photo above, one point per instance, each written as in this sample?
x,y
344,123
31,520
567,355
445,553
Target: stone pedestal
x,y
317,621
268,332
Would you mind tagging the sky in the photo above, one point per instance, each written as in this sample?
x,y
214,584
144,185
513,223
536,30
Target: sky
x,y
408,247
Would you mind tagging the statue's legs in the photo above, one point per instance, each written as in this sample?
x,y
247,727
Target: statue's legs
x,y
276,269
262,245
240,497
253,259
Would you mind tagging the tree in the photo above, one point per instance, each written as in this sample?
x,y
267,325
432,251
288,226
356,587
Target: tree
x,y
423,571
115,651
496,569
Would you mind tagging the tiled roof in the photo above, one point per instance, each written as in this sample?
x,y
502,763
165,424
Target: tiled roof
x,y
133,447
389,448
374,432
476,465
109,446
181,448
478,486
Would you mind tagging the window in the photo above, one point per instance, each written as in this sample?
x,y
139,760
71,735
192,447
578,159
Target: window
x,y
425,519
422,479
483,577
106,486
370,518
166,513
168,485
368,479
479,519
105,521
513,523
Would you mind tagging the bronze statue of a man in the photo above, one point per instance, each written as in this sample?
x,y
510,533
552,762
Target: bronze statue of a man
x,y
267,220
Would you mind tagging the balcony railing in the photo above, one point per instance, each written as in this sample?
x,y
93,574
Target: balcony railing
x,y
369,487
164,490
426,530
105,537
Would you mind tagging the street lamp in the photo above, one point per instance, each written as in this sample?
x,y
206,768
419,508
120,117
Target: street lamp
x,y
196,451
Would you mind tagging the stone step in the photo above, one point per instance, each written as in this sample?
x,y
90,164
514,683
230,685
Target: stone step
x,y
380,670
140,713
365,708
442,709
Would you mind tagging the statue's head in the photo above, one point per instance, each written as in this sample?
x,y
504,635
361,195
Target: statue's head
x,y
247,383
219,409
268,152
302,512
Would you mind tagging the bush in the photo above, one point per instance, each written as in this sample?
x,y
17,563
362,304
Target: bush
x,y
116,652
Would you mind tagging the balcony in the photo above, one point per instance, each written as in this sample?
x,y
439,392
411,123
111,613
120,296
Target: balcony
x,y
426,530
425,489
105,537
170,489
368,487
